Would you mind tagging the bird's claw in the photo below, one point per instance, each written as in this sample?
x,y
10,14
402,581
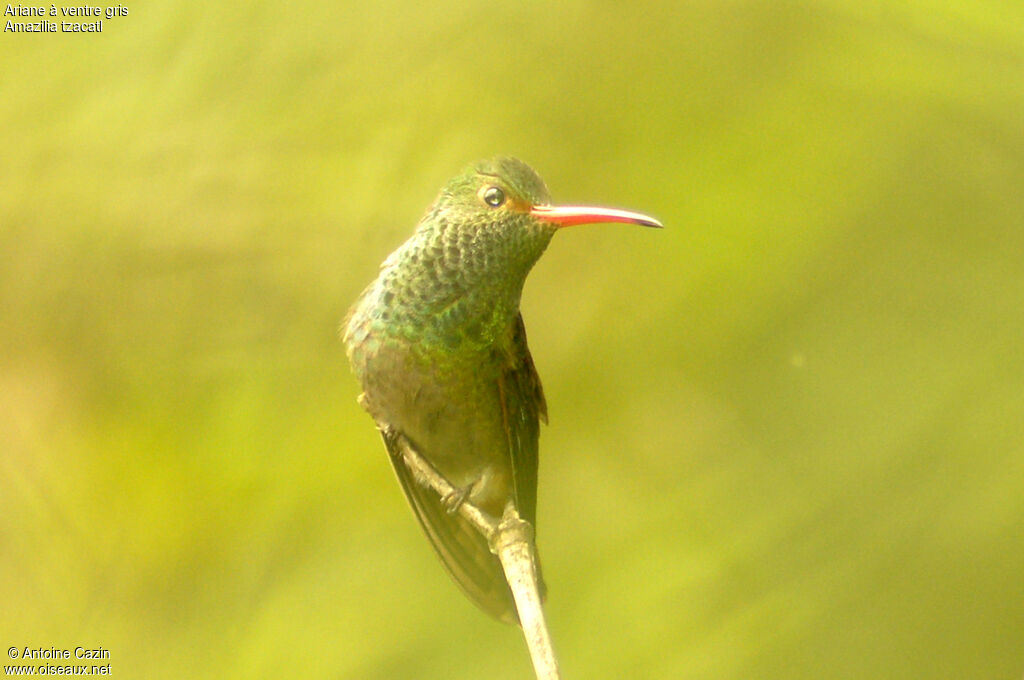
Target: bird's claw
x,y
454,500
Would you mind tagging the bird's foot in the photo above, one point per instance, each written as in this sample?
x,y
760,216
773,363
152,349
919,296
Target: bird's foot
x,y
454,500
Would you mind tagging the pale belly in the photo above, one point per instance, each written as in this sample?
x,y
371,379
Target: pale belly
x,y
450,410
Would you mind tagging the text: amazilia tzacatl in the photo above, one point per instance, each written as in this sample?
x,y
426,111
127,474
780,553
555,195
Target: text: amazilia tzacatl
x,y
438,344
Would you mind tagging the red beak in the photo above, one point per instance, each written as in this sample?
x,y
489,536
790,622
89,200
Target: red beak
x,y
568,215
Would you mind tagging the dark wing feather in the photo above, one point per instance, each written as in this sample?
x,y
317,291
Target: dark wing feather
x,y
524,407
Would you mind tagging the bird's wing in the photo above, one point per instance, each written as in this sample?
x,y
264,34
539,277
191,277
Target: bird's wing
x,y
523,407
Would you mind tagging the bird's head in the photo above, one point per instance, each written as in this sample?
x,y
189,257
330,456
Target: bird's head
x,y
502,210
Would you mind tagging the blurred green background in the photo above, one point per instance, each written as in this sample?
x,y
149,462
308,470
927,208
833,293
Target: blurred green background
x,y
787,432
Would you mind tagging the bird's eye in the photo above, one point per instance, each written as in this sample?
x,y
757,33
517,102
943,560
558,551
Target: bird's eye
x,y
493,196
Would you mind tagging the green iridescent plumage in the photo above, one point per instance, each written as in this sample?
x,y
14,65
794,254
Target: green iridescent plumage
x,y
439,346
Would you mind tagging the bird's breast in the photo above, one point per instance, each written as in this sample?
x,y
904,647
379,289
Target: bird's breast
x,y
445,401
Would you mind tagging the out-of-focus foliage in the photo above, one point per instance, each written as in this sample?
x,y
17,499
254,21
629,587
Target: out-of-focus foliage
x,y
787,432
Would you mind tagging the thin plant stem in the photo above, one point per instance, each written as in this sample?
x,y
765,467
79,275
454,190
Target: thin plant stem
x,y
512,539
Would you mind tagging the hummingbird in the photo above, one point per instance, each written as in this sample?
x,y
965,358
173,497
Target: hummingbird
x,y
438,345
